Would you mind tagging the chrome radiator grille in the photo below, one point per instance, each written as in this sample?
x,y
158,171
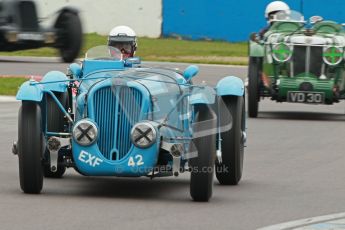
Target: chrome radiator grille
x,y
116,111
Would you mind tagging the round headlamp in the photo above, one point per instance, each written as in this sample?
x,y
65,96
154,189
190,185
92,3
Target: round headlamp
x,y
143,135
332,55
282,52
85,132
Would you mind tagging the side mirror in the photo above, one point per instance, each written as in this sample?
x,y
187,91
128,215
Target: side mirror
x,y
190,72
75,70
129,62
315,19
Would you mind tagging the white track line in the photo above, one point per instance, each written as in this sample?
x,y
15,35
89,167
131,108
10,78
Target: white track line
x,y
306,222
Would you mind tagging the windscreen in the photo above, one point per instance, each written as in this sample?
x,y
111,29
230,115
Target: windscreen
x,y
103,53
288,16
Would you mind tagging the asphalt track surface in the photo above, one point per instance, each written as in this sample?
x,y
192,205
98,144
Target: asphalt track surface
x,y
294,168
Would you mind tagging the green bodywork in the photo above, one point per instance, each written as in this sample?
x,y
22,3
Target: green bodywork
x,y
323,40
292,84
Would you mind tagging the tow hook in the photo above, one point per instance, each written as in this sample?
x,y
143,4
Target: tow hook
x,y
176,151
53,146
14,148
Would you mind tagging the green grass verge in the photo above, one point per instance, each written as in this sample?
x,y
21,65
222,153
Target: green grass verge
x,y
164,49
10,85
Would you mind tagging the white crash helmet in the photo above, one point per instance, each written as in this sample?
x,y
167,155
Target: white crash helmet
x,y
275,7
123,38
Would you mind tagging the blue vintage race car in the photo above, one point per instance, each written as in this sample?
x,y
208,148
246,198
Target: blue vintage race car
x,y
130,121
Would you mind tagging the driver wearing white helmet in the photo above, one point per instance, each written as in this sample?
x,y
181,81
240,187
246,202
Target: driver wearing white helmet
x,y
124,39
271,10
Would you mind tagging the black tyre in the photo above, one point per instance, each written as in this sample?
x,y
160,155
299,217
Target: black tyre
x,y
55,123
30,148
255,66
202,166
229,171
69,35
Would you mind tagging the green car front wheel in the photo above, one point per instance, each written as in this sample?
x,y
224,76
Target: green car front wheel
x,y
253,85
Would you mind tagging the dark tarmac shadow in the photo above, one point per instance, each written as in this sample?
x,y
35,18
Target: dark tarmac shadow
x,y
166,189
303,116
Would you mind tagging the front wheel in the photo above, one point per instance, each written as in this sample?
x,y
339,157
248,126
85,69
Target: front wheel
x,y
229,171
253,85
202,166
30,148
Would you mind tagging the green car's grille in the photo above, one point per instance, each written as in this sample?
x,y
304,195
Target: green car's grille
x,y
307,59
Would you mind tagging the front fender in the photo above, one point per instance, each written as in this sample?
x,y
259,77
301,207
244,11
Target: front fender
x,y
59,81
30,92
256,49
230,86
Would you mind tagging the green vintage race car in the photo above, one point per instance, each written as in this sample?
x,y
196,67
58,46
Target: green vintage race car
x,y
295,61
